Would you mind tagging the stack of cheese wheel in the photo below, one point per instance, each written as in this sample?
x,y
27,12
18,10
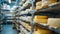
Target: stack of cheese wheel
x,y
45,3
40,19
39,5
26,25
22,2
53,4
31,8
54,22
42,31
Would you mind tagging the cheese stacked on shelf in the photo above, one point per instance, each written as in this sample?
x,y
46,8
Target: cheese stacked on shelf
x,y
26,3
26,25
31,8
27,10
24,12
22,2
53,4
42,31
23,30
54,22
45,3
40,19
39,5
26,18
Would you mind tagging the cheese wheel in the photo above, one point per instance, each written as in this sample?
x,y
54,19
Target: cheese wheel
x,y
40,17
38,7
31,8
36,32
45,3
29,27
43,21
42,31
54,22
54,4
39,3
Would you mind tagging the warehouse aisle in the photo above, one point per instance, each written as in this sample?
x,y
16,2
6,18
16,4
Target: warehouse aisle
x,y
8,29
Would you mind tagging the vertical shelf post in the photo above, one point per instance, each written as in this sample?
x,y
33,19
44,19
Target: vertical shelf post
x,y
32,12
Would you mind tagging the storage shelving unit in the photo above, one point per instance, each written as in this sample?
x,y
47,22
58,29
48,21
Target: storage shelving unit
x,y
23,21
51,11
27,25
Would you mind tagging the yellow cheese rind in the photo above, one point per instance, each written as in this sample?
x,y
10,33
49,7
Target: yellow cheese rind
x,y
40,17
42,31
38,5
45,3
54,22
44,21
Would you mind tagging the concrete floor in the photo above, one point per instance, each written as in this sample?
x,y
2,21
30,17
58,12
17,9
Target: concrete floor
x,y
8,29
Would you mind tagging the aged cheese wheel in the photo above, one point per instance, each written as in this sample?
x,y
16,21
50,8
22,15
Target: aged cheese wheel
x,y
55,22
29,27
42,31
54,4
38,7
36,32
43,21
31,8
39,3
40,17
45,3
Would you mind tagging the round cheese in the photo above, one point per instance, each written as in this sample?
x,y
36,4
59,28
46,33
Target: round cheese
x,y
39,3
45,3
31,8
40,17
38,7
42,31
54,22
43,21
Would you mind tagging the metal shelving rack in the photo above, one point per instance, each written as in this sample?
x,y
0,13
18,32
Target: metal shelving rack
x,y
48,11
55,10
31,23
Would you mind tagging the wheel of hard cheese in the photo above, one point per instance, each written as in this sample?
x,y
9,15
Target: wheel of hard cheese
x,y
43,21
55,22
40,17
45,3
42,31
